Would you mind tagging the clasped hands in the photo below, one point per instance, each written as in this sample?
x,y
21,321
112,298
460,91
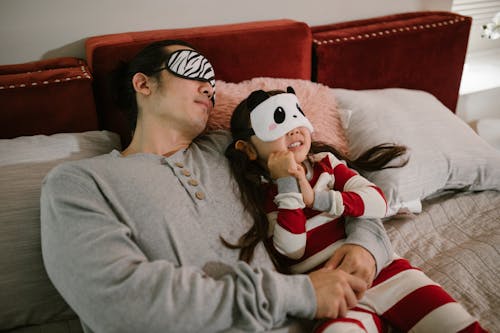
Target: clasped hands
x,y
343,280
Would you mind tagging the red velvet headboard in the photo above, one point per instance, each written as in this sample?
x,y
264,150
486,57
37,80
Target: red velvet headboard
x,y
423,50
46,97
280,48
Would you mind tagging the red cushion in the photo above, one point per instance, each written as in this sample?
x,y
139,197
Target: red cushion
x,y
46,97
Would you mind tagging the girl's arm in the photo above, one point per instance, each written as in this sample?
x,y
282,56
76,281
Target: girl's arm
x,y
304,185
352,194
365,236
284,211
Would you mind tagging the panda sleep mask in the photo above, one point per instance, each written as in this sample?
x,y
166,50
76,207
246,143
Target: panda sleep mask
x,y
274,116
191,65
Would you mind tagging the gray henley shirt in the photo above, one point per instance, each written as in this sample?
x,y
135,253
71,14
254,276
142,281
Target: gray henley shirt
x,y
133,245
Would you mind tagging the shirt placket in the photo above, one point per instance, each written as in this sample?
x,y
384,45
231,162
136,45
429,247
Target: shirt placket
x,y
188,179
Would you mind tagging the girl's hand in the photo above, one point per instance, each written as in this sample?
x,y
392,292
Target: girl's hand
x,y
305,187
281,164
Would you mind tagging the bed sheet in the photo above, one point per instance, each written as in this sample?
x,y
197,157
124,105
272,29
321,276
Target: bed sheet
x,y
456,241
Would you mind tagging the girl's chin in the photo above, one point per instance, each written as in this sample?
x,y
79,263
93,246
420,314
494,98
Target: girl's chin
x,y
300,157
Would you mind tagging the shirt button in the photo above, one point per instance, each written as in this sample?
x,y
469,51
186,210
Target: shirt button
x,y
179,164
199,195
186,172
193,182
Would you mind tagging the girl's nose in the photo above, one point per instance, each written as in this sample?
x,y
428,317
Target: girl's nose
x,y
294,131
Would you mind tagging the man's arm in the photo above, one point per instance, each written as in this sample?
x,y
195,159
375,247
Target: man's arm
x,y
366,251
93,260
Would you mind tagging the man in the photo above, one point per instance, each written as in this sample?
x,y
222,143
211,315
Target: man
x,y
132,240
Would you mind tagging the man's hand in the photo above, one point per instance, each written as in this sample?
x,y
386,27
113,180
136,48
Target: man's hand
x,y
336,292
355,260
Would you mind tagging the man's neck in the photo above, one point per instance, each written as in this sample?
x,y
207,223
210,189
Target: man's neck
x,y
157,140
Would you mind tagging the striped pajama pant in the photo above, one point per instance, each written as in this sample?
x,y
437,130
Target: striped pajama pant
x,y
404,298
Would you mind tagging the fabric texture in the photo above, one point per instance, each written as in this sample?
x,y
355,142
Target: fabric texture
x,y
456,241
407,300
317,102
24,161
444,153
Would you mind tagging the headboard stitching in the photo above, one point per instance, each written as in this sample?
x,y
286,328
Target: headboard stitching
x,y
388,32
85,75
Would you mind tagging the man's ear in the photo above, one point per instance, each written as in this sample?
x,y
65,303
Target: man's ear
x,y
247,148
141,83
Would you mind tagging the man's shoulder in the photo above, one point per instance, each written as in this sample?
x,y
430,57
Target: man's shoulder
x,y
82,166
218,139
223,135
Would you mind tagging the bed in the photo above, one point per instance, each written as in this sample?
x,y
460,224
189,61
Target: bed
x,y
392,78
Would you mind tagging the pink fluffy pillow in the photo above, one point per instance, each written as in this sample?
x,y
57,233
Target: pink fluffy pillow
x,y
316,100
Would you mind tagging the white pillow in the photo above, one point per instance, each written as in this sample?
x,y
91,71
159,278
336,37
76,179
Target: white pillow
x,y
24,162
445,153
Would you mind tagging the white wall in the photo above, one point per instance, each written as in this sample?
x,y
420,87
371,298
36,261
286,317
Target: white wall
x,y
37,29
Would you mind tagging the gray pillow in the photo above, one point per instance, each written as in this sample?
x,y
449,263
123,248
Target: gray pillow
x,y
27,295
445,153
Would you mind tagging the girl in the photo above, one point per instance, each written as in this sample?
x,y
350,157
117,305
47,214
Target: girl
x,y
299,192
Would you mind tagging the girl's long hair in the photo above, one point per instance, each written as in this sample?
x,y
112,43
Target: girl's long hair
x,y
249,174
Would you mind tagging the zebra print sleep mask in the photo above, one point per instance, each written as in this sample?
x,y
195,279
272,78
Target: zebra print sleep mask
x,y
191,65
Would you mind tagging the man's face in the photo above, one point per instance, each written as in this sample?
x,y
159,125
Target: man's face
x,y
185,102
191,65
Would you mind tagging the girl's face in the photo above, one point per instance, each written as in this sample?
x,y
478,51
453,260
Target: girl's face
x,y
298,141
